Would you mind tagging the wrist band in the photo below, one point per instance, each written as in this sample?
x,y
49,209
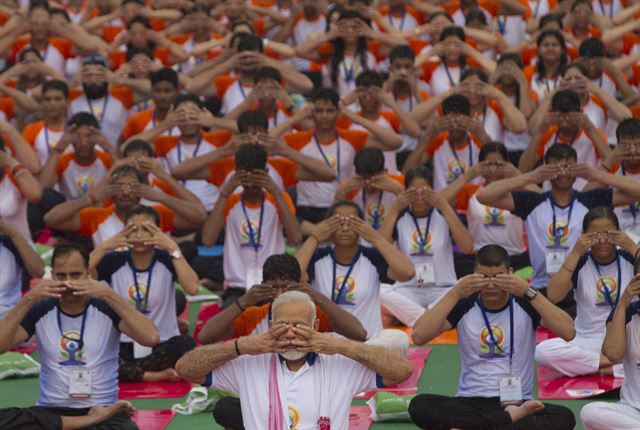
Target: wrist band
x,y
21,171
17,169
566,268
237,302
237,349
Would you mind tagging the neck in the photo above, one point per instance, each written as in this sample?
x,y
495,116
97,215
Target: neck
x,y
568,133
194,138
495,304
269,108
73,305
584,98
550,67
478,108
56,122
86,160
246,78
39,42
252,197
327,134
561,197
161,114
402,89
345,254
295,365
350,48
142,260
605,259
421,213
371,114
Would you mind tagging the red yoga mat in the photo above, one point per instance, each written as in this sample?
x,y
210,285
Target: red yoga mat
x,y
543,334
153,390
26,349
153,420
579,387
359,418
418,358
206,312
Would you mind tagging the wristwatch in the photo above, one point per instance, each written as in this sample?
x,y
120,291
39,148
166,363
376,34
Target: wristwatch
x,y
531,293
176,255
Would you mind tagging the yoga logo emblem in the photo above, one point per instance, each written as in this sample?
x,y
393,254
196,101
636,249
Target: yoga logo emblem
x,y
71,349
138,298
347,297
493,217
331,162
374,211
83,183
559,240
487,347
604,286
455,168
245,233
416,240
294,418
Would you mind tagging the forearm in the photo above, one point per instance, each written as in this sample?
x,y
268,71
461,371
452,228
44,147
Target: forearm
x,y
615,340
554,318
484,62
494,193
23,101
602,147
390,39
140,86
529,157
48,176
66,216
199,362
309,48
215,223
96,257
197,167
29,187
187,277
138,327
389,224
527,106
194,214
30,258
535,121
384,137
616,110
11,322
390,365
434,321
150,134
514,120
24,153
560,284
283,50
205,79
408,124
289,222
482,36
305,253
418,156
294,80
178,189
316,169
219,327
400,266
341,321
459,232
427,109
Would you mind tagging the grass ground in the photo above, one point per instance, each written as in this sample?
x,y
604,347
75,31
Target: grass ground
x,y
439,376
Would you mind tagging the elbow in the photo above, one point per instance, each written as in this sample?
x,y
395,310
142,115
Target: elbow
x,y
36,269
419,338
520,125
570,333
151,337
612,354
402,372
35,195
207,240
182,367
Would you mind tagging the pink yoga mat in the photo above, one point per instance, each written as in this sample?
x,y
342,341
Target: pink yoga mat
x,y
27,349
417,357
153,390
206,312
543,334
359,418
153,420
551,387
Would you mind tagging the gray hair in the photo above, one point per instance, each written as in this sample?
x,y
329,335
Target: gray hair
x,y
293,297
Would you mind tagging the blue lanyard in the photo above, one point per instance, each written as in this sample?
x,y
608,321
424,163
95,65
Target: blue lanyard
x,y
195,152
537,8
553,209
455,154
134,272
376,212
46,136
452,83
607,293
632,205
423,239
390,19
84,320
501,20
241,90
490,330
104,107
254,236
610,8
336,299
324,156
349,72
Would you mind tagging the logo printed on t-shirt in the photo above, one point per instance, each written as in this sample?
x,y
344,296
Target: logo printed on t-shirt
x,y
487,348
374,209
416,240
71,349
138,298
493,217
83,183
606,285
348,295
455,168
561,234
245,232
294,418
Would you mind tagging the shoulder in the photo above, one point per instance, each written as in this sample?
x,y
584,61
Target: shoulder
x,y
461,309
596,197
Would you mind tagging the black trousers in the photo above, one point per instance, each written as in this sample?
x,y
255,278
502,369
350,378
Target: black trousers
x,y
164,356
43,418
228,414
434,412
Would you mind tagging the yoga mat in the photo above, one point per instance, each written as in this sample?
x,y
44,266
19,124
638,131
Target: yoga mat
x,y
153,390
28,348
447,338
543,334
206,312
418,358
359,418
551,387
153,420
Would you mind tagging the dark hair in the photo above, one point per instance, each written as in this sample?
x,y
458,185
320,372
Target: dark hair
x,y
550,17
629,127
240,22
39,4
565,101
252,118
214,105
453,30
511,56
143,210
492,256
578,66
250,42
456,104
29,50
185,98
337,55
57,11
577,3
140,2
401,51
238,37
325,94
251,156
66,249
139,19
423,172
369,162
437,14
591,47
335,8
127,170
282,267
83,118
636,265
344,203
138,145
474,72
267,72
165,75
475,14
490,148
132,51
56,85
540,67
599,212
560,151
369,78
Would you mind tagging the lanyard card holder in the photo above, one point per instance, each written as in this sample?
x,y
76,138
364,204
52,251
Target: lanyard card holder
x,y
79,383
426,274
510,390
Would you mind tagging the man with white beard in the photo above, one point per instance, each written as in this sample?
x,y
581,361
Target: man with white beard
x,y
293,376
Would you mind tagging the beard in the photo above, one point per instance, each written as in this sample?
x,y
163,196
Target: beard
x,y
292,355
94,91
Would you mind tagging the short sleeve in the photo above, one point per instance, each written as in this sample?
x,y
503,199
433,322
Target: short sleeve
x,y
248,320
530,310
107,310
460,309
378,261
597,197
318,255
109,264
228,376
576,271
165,259
32,317
9,245
525,202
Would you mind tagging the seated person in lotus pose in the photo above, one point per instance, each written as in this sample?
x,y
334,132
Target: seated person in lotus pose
x,y
496,315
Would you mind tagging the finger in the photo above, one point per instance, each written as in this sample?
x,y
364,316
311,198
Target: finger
x,y
278,329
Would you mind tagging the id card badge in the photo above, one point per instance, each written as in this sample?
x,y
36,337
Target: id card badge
x,y
253,277
554,261
425,274
79,383
632,235
140,351
510,390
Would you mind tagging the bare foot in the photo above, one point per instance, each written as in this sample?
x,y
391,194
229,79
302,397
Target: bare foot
x,y
103,413
529,407
168,374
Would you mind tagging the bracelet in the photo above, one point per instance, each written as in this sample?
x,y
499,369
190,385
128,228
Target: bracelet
x,y
237,302
313,236
21,171
17,169
566,268
237,349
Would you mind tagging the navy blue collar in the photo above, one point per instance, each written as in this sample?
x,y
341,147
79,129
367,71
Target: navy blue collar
x,y
311,358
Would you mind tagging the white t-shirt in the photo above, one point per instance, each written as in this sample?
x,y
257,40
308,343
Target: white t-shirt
x,y
354,288
302,30
325,384
110,112
60,351
14,206
234,95
348,70
11,279
449,162
374,205
629,215
630,391
154,293
489,225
